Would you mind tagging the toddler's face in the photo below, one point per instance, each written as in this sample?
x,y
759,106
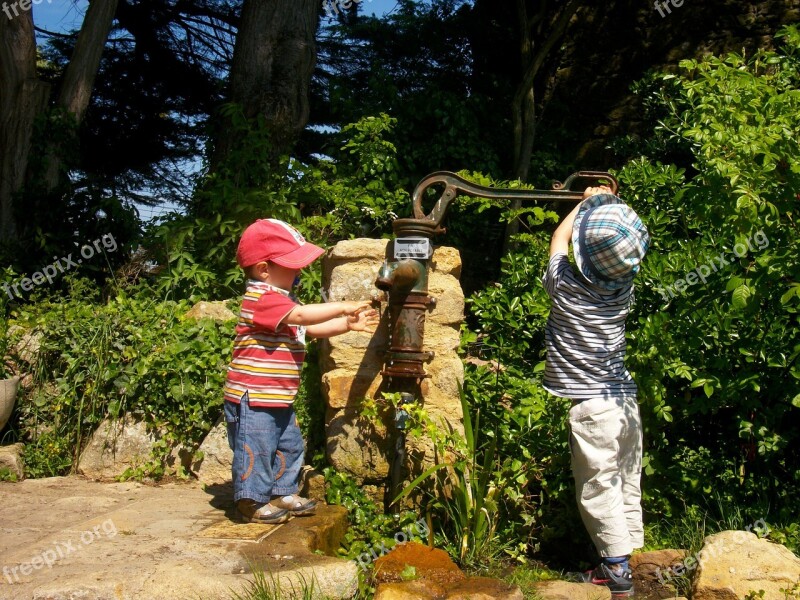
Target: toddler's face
x,y
281,277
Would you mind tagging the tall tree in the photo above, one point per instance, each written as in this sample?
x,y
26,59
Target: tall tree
x,y
22,97
541,29
273,61
78,82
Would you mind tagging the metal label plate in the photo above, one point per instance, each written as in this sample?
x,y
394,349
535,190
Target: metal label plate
x,y
412,247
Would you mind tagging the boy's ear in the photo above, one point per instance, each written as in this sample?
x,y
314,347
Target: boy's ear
x,y
259,271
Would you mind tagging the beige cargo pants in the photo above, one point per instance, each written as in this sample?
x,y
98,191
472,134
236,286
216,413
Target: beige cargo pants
x,y
606,449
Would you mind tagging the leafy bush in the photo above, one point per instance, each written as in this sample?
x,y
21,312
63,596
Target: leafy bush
x,y
355,192
714,340
132,355
715,356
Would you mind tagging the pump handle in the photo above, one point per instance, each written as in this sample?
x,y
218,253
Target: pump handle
x,y
569,191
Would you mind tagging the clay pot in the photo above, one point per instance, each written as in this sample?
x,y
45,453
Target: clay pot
x,y
8,396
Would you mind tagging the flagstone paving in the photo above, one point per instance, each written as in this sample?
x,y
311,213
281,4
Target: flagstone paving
x,y
70,538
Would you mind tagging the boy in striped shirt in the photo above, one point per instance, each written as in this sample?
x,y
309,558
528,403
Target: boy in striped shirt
x,y
585,339
264,373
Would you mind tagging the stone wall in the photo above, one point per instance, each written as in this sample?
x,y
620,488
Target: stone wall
x,y
351,363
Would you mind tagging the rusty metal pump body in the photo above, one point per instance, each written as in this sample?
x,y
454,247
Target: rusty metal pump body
x,y
404,274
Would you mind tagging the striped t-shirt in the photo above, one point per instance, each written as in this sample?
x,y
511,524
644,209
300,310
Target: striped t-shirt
x,y
585,336
267,354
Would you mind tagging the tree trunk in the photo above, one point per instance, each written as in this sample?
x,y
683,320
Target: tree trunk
x,y
538,37
273,61
76,88
22,97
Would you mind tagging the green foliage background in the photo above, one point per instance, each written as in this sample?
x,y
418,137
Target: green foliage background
x,y
716,360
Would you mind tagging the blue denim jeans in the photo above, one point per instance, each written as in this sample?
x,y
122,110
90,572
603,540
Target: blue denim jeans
x,y
268,450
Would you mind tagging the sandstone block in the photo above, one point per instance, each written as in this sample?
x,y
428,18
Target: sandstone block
x,y
355,349
11,459
431,564
214,467
342,389
446,375
410,590
217,311
441,339
449,308
115,446
563,590
446,260
312,485
355,249
353,281
27,348
357,446
651,565
733,563
472,588
484,588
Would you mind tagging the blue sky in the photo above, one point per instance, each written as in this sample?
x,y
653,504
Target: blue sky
x,y
65,15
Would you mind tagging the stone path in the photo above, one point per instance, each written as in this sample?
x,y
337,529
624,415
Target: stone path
x,y
69,538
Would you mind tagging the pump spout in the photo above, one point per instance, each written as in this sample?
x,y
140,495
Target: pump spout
x,y
401,275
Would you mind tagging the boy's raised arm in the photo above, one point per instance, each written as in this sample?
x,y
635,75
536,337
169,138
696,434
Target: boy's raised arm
x,y
563,233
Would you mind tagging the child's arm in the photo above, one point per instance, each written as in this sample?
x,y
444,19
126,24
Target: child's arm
x,y
366,320
563,233
313,314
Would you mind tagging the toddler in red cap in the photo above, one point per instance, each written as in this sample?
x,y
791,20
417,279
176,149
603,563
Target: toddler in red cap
x,y
264,373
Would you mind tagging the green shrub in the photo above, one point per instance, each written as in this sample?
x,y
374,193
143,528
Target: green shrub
x,y
716,356
355,192
132,355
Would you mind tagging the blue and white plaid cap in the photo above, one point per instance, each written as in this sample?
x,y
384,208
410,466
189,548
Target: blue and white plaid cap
x,y
609,241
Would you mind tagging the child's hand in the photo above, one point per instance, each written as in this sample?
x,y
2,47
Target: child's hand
x,y
365,320
354,307
592,191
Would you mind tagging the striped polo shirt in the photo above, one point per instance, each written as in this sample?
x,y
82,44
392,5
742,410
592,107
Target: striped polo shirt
x,y
585,336
267,355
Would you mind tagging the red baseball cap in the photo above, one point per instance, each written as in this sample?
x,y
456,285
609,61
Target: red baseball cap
x,y
276,241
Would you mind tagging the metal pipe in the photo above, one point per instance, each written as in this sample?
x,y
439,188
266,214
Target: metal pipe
x,y
399,459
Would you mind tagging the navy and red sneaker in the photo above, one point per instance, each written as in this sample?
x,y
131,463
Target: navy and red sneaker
x,y
619,582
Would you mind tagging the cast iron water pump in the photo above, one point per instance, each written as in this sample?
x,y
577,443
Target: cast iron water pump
x,y
404,276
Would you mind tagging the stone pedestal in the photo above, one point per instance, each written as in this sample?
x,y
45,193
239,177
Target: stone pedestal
x,y
351,363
